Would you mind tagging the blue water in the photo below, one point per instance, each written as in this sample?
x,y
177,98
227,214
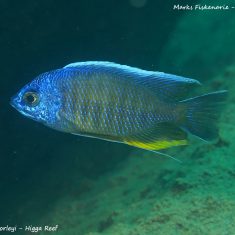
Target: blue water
x,y
88,186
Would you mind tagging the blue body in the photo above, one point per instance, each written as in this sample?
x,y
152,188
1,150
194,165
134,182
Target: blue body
x,y
119,103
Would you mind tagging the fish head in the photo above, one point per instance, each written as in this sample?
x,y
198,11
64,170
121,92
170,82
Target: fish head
x,y
38,100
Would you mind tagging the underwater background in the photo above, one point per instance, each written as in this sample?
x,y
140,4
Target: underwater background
x,y
88,186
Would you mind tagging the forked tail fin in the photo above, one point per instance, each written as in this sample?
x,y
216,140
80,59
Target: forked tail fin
x,y
202,113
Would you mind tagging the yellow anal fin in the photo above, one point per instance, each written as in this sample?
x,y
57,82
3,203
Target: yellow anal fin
x,y
156,145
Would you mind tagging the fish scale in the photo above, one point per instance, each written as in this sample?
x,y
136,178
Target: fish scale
x,y
88,93
145,109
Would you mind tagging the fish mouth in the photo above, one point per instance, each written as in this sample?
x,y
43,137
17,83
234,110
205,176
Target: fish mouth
x,y
13,102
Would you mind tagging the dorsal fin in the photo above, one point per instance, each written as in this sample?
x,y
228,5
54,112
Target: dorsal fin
x,y
169,87
166,86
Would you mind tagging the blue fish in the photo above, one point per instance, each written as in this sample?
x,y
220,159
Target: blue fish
x,y
114,102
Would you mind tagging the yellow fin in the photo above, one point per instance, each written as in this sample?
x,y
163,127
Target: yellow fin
x,y
156,145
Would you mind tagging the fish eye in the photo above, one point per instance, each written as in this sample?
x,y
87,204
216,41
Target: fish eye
x,y
31,98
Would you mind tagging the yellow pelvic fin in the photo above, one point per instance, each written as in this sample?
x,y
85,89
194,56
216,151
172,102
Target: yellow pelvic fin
x,y
156,145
